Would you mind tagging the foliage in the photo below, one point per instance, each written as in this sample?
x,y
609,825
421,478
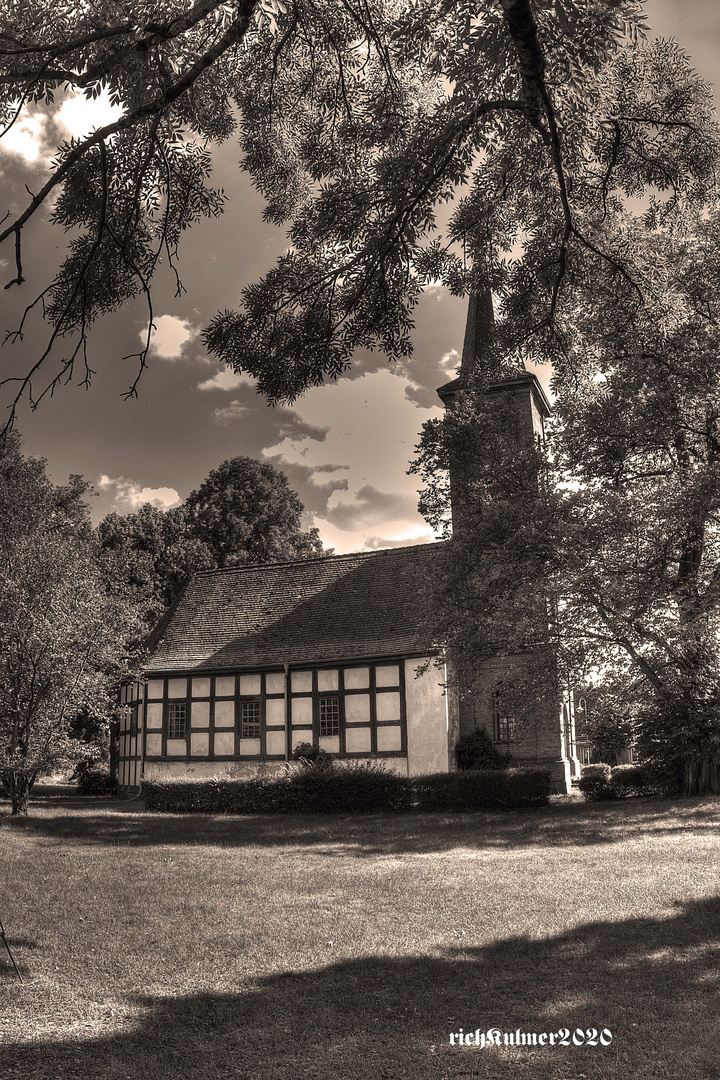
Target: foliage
x,y
479,790
600,782
604,546
550,126
62,630
354,788
244,512
477,751
308,754
95,780
594,782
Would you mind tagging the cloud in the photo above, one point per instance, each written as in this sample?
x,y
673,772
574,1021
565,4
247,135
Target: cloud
x,y
170,336
371,507
81,115
425,374
313,496
375,543
287,423
225,379
128,493
26,136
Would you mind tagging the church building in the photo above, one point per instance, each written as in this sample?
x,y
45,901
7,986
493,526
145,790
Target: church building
x,y
337,652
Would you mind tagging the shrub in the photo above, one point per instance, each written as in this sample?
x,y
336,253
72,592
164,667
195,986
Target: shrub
x,y
307,754
631,780
482,789
476,751
595,782
364,787
357,788
95,781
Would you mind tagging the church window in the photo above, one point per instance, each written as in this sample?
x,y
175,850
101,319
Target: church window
x,y
329,715
177,718
250,720
504,723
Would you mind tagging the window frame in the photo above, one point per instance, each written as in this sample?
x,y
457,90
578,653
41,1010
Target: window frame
x,y
502,718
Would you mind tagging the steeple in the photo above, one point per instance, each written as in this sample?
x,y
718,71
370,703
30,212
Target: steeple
x,y
478,333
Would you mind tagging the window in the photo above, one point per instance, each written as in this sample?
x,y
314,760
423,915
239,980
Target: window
x,y
329,715
504,723
250,720
177,717
134,720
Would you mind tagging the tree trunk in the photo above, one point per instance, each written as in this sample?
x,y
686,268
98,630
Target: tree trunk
x,y
701,776
18,788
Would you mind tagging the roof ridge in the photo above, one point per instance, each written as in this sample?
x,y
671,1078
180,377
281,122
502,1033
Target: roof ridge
x,y
319,558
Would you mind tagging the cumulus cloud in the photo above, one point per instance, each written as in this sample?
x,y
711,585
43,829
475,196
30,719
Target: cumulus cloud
x,y
375,543
313,496
287,423
170,336
371,507
26,136
129,494
225,379
81,115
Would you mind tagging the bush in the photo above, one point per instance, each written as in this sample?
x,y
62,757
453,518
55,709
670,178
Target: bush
x,y
357,788
482,789
95,781
476,751
595,782
258,795
632,780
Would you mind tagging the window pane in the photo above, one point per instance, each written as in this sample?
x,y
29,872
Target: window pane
x,y
250,720
329,716
176,721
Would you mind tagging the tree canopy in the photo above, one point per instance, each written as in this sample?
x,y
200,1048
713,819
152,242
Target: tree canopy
x,y
245,511
613,532
63,628
517,144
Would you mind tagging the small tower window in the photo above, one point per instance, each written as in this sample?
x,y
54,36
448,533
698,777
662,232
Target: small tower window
x,y
504,723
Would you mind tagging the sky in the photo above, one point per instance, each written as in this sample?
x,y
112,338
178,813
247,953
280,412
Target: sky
x,y
345,447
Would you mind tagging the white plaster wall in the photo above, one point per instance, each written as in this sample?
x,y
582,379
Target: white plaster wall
x,y
427,719
199,770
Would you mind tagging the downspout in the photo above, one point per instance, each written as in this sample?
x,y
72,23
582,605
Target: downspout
x,y
288,727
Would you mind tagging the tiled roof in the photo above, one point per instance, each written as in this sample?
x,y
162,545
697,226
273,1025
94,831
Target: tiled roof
x,y
339,608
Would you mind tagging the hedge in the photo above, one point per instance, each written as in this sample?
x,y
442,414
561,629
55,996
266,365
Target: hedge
x,y
481,789
599,782
595,784
353,789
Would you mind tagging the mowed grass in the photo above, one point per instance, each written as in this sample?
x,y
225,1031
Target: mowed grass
x,y
189,947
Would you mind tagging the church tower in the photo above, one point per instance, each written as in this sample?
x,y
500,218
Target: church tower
x,y
546,741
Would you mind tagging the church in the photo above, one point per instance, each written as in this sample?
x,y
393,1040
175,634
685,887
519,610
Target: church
x,y
337,652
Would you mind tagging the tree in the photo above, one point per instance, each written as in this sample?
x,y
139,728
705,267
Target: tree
x,y
62,631
614,535
534,122
246,511
153,552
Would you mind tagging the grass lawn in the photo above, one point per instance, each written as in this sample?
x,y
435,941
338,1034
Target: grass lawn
x,y
161,946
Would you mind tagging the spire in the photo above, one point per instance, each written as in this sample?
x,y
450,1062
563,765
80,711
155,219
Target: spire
x,y
478,332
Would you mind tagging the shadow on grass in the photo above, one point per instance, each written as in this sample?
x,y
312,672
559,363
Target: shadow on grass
x,y
652,982
103,822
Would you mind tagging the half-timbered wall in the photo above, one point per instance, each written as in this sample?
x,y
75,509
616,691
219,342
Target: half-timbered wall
x,y
352,711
